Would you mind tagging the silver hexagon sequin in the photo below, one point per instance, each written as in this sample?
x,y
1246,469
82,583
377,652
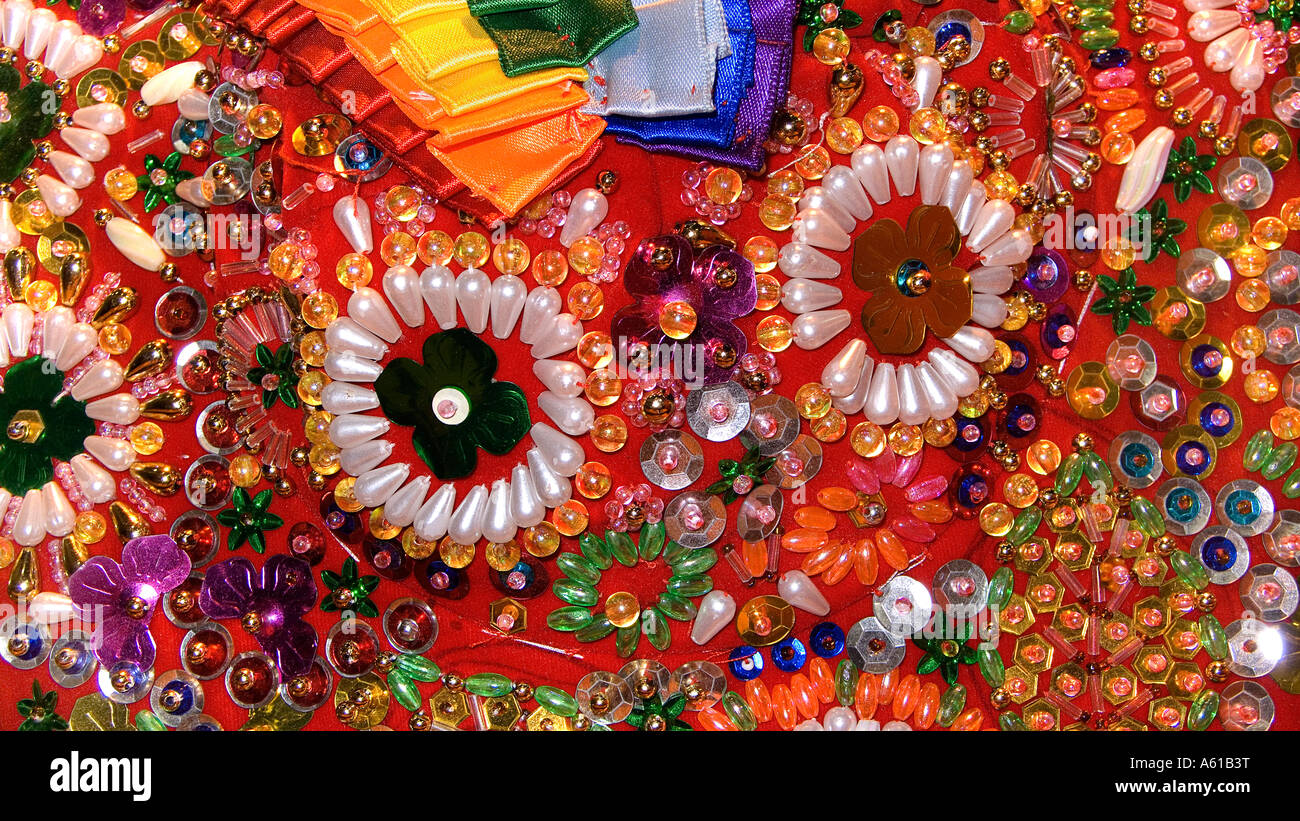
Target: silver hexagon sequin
x,y
1254,647
1291,388
718,412
1245,182
671,459
1245,506
176,696
1282,539
72,660
604,697
1211,537
1246,706
760,513
702,682
1131,362
903,606
797,464
1281,327
961,586
137,682
773,424
872,648
1283,277
227,180
24,644
1284,90
634,672
1204,275
1185,505
1135,459
1269,592
707,529
228,107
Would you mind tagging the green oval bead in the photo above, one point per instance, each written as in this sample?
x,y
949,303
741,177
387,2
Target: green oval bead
x,y
626,640
404,690
1095,4
951,704
578,569
690,586
146,721
991,667
1025,525
1280,460
1097,471
1100,38
1018,22
1010,722
1291,487
651,542
654,626
599,628
571,592
568,619
620,545
488,685
738,711
1069,474
417,668
1213,637
1090,19
1189,570
846,682
596,551
674,552
1203,710
1258,447
700,560
1000,587
556,700
676,607
1147,517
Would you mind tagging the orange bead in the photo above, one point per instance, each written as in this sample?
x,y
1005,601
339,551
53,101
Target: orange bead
x,y
865,562
805,700
755,555
837,498
817,518
783,707
891,548
758,700
843,564
864,697
905,698
711,719
969,721
821,560
888,683
1126,120
823,680
927,706
804,540
1116,99
935,512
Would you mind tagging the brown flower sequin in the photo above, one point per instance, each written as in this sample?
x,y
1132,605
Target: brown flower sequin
x,y
912,280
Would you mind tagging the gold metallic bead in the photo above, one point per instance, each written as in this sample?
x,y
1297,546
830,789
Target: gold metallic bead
x,y
1083,279
168,272
7,56
1149,52
112,43
1000,68
29,176
1038,311
1156,77
316,481
102,216
1063,199
1223,146
141,110
1092,162
979,121
1217,671
1182,117
1206,601
1056,388
1139,24
1089,112
1165,545
979,96
34,70
61,87
1000,698
1071,15
1082,441
1005,552
1163,99
1208,129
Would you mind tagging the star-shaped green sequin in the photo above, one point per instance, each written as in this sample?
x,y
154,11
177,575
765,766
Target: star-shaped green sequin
x,y
1124,300
158,182
38,711
810,15
349,590
249,520
947,650
752,468
274,374
1186,170
1163,234
654,715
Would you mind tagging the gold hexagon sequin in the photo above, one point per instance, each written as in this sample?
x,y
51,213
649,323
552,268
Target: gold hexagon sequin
x,y
1189,435
368,697
1152,664
1118,685
1202,404
179,38
140,61
1021,685
1033,555
1206,361
321,135
94,712
1151,616
1183,639
1044,592
449,707
1223,228
1116,631
101,85
765,620
501,713
1069,679
57,242
1017,616
1167,714
30,213
1267,141
1074,551
1071,621
1091,392
277,716
543,720
1042,715
1033,653
344,497
1175,314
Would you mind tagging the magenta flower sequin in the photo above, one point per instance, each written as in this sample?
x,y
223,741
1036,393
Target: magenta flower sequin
x,y
121,598
269,604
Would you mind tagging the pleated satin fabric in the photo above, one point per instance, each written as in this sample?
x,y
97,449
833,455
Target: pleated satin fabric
x,y
565,33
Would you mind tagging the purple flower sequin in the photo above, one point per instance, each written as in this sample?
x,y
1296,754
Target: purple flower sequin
x,y
269,604
121,598
719,286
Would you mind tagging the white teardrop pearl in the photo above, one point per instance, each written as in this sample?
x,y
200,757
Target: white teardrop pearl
x,y
498,524
956,188
799,260
795,587
508,295
191,191
1248,74
10,236
902,154
55,324
800,296
351,429
85,53
574,416
562,453
40,25
842,184
366,456
560,376
344,334
29,527
552,488
80,341
587,210
927,74
854,401
993,220
882,398
996,280
716,610
913,409
1203,5
15,16
402,287
115,454
970,207
438,287
840,719
168,85
352,216
526,506
73,170
343,397
368,309
541,306
135,244
961,377
842,372
815,329
988,310
19,320
820,229
466,524
5,358
62,199
194,105
401,507
96,483
106,118
59,48
818,198
1012,248
375,487
1204,26
474,296
940,398
563,334
100,378
59,513
869,166
976,344
1221,54
344,366
933,168
89,145
119,409
434,516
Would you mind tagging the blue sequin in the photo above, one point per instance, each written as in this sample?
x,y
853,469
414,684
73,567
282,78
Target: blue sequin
x,y
949,30
186,693
1218,553
1015,415
789,655
963,444
1242,507
827,640
1207,419
1136,460
972,491
1184,457
1174,505
746,663
1020,357
1204,361
34,641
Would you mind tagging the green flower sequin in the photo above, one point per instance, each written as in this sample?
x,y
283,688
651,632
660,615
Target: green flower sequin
x,y
1186,170
1124,300
38,711
751,467
249,519
947,650
158,182
1164,234
810,15
38,425
349,590
653,715
274,374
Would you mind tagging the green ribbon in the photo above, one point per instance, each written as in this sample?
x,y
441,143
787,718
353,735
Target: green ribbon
x,y
567,33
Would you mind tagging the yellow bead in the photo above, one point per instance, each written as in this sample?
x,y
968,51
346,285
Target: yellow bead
x,y
455,555
1253,295
940,433
905,440
868,439
586,300
1043,457
1269,233
540,540
502,557
1118,254
285,261
769,292
90,527
723,185
1001,185
264,121
880,124
115,339
829,428
434,247
593,480
398,248
622,609
1248,341
843,135
603,388
774,333
1223,228
996,519
311,386
353,271
595,349
570,518
1017,316
1291,213
1285,424
40,295
1261,386
677,319
402,202
319,309
147,438
245,471
609,433
813,163
471,249
1020,490
831,46
777,213
918,42
511,257
316,427
812,401
585,256
927,126
785,183
1250,260
313,348
550,268
324,459
120,184
762,252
